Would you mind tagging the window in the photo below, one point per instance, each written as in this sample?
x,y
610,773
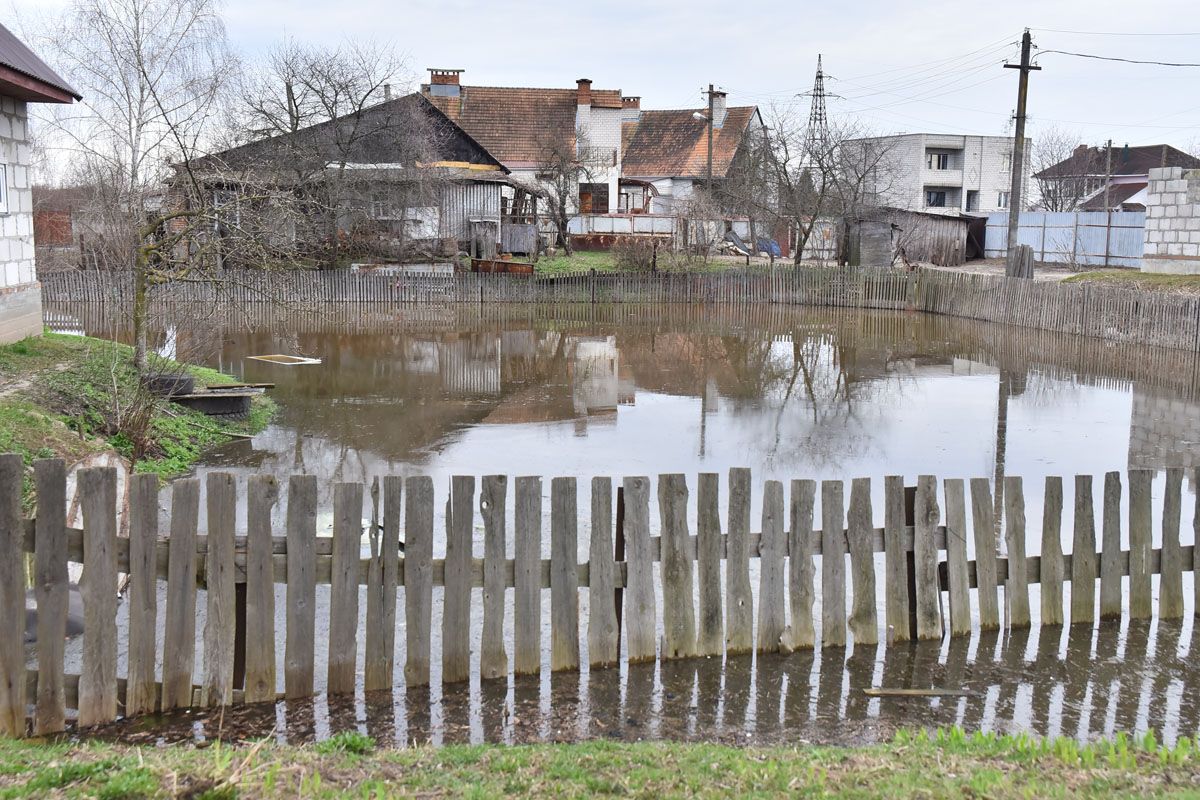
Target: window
x,y
935,199
1002,200
972,200
3,188
938,160
593,198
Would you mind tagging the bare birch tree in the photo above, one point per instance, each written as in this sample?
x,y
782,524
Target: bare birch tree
x,y
1067,172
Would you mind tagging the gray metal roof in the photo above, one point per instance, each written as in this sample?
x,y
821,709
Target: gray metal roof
x,y
17,56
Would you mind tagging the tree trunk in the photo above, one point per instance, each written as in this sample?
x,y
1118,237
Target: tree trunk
x,y
140,304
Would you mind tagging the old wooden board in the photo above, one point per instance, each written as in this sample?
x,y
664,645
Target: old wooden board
x,y
710,639
1111,568
983,526
640,605
772,554
418,578
603,641
833,564
51,590
863,624
456,609
1083,555
1170,581
564,574
527,581
801,633
493,660
956,557
1051,573
1140,543
1016,583
929,619
262,492
299,645
142,593
343,589
98,589
12,599
679,614
896,610
739,602
179,636
380,653
219,623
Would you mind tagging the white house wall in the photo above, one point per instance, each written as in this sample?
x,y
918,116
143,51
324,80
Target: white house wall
x,y
20,295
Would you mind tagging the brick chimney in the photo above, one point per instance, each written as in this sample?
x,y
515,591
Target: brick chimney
x,y
718,106
444,82
631,109
583,92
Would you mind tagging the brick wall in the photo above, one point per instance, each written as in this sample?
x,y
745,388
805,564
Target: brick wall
x,y
1172,221
20,297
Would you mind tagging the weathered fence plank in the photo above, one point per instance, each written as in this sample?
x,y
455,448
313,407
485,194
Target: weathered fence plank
x,y
343,588
679,613
984,534
640,604
895,581
527,580
262,492
140,692
299,655
179,629
418,578
1111,567
859,534
739,602
929,619
1140,543
51,590
493,660
833,564
381,606
1170,580
220,622
564,574
1083,555
456,594
772,552
98,589
603,641
1016,585
12,599
1051,577
801,634
956,557
710,640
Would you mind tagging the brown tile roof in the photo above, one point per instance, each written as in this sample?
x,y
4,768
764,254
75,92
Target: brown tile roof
x,y
675,144
1117,194
516,125
1126,160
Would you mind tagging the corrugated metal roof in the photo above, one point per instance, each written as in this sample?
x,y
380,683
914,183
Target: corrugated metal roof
x,y
15,55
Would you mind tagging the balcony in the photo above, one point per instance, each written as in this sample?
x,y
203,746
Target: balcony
x,y
942,177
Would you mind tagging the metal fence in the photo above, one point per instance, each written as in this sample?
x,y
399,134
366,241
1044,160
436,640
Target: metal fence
x,y
1082,238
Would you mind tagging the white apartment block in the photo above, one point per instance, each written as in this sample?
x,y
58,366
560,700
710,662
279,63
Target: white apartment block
x,y
944,173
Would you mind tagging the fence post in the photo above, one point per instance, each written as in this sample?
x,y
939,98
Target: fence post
x,y
12,599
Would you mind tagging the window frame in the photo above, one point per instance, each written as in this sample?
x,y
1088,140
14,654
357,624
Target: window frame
x,y
4,190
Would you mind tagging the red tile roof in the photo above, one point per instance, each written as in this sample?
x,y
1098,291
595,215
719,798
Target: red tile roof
x,y
675,144
1117,195
516,125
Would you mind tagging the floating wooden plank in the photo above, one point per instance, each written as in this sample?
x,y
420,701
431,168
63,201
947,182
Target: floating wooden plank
x,y
679,614
956,557
179,636
380,656
418,578
1083,555
1051,567
456,605
527,581
895,582
739,602
98,589
1110,549
772,553
51,590
1170,580
220,622
143,593
983,526
801,634
343,590
710,640
564,575
299,657
925,556
603,640
1016,583
864,626
262,492
493,660
833,564
640,604
12,599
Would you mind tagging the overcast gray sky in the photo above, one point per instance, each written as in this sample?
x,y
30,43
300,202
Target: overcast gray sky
x,y
899,65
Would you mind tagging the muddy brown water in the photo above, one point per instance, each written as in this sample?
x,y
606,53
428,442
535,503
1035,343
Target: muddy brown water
x,y
789,392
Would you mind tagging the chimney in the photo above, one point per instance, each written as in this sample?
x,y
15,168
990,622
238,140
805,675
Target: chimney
x,y
583,92
631,109
444,82
387,92
718,108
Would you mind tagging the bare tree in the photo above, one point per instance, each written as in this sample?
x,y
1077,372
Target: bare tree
x,y
562,166
1067,172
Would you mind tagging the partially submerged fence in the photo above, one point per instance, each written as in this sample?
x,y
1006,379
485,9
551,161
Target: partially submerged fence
x,y
924,557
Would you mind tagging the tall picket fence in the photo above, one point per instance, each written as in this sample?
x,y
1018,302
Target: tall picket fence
x,y
703,577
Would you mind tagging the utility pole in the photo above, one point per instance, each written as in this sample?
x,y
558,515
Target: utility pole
x,y
1018,155
711,120
1107,200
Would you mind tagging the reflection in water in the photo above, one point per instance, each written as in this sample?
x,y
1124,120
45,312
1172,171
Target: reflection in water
x,y
1077,681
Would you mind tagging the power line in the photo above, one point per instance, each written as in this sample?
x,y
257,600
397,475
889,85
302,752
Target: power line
x,y
1115,58
1113,33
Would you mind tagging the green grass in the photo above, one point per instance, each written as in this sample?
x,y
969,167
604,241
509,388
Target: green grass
x,y
947,763
581,261
1135,279
68,396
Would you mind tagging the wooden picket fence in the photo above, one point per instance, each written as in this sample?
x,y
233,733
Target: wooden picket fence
x,y
925,554
1107,312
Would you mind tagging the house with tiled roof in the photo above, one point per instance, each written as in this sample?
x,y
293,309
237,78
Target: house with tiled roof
x,y
640,161
1104,178
24,79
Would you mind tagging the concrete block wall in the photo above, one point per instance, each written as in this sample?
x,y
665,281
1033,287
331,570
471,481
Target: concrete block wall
x,y
1172,241
20,295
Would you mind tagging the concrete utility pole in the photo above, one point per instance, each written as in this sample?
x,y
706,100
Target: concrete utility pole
x,y
711,120
1018,155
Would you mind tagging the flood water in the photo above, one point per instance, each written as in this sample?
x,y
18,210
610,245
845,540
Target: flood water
x,y
789,392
